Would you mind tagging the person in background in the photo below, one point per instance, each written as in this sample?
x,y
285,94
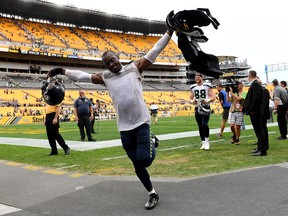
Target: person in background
x,y
284,85
252,107
154,113
97,109
83,115
93,119
280,99
52,130
236,112
271,108
223,99
265,111
202,95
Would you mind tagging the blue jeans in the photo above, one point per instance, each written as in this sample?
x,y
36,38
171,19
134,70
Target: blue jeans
x,y
140,150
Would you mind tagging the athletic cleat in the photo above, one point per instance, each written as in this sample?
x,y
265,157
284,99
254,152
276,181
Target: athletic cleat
x,y
203,145
157,141
153,199
67,151
207,146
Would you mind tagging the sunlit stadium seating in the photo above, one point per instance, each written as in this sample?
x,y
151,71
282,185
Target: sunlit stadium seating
x,y
96,42
174,103
42,33
43,37
24,98
13,32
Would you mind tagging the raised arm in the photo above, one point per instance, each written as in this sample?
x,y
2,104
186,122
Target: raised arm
x,y
77,75
150,57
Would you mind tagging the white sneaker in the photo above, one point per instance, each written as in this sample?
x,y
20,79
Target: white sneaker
x,y
203,145
207,145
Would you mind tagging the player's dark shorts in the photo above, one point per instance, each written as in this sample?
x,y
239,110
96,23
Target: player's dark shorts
x,y
138,145
225,113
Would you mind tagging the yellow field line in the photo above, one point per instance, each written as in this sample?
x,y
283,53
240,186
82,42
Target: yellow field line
x,y
35,168
13,164
54,172
31,167
76,175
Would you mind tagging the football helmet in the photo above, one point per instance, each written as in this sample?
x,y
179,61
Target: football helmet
x,y
53,90
204,110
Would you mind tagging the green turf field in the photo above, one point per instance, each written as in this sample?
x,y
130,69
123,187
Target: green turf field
x,y
175,158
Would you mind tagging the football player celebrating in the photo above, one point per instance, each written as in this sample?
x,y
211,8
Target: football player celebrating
x,y
133,120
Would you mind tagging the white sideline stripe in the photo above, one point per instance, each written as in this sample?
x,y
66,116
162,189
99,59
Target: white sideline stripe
x,y
245,136
113,158
172,148
4,209
214,141
85,146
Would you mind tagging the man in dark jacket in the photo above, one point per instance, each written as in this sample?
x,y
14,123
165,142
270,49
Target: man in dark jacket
x,y
265,113
254,108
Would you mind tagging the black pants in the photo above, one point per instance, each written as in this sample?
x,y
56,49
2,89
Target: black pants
x,y
53,134
281,119
259,129
84,121
264,123
141,151
202,122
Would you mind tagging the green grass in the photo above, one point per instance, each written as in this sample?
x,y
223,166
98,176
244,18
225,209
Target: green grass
x,y
185,160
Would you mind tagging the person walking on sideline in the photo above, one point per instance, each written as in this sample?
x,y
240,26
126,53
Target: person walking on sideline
x,y
52,130
133,119
201,96
223,99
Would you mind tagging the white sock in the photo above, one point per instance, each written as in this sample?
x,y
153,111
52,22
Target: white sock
x,y
206,139
152,191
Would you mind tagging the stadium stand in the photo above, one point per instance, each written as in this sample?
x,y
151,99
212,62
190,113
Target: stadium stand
x,y
37,35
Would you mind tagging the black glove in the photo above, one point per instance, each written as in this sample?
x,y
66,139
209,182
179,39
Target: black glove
x,y
170,21
157,141
55,71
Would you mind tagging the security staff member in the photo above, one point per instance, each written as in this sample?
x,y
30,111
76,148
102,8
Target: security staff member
x,y
52,130
83,114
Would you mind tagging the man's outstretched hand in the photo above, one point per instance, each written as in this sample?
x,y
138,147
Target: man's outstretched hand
x,y
56,71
